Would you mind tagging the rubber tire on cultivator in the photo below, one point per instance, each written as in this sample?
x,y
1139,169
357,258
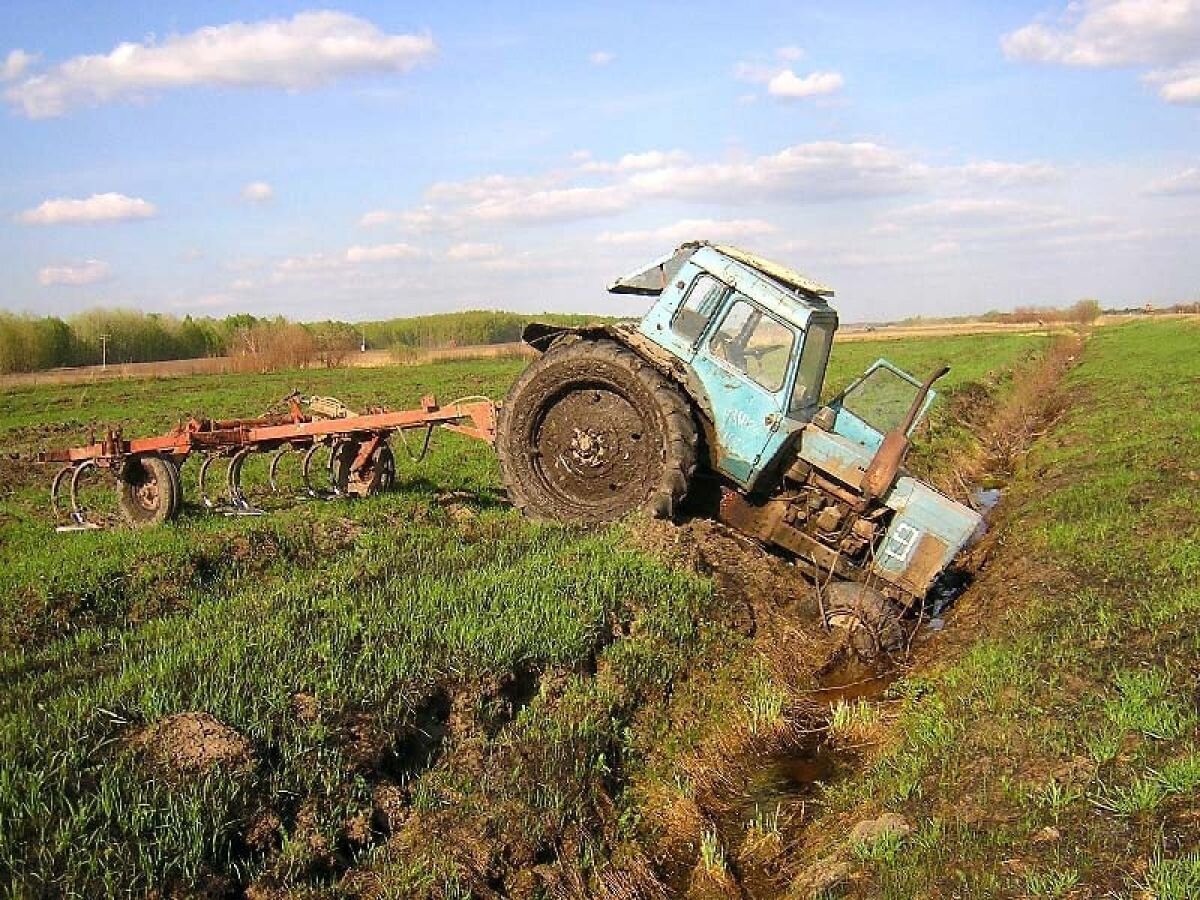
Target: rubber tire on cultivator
x,y
590,433
379,474
148,490
870,621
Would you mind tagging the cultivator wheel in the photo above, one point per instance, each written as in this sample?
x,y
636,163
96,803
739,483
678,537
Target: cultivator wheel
x,y
590,432
377,473
147,490
872,624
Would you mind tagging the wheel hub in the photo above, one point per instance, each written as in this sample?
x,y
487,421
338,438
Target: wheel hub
x,y
589,448
147,494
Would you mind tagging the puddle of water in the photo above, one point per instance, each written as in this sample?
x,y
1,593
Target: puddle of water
x,y
986,499
851,679
783,777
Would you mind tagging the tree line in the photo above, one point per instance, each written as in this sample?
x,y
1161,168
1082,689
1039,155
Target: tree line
x,y
33,343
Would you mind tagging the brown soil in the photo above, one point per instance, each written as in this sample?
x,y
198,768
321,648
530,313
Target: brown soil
x,y
192,743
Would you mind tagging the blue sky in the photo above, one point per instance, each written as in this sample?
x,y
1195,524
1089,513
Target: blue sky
x,y
372,160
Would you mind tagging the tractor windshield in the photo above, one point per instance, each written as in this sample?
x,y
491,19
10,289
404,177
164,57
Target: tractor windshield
x,y
881,399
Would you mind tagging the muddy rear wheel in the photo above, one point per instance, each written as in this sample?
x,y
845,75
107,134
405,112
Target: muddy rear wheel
x,y
148,491
590,433
871,623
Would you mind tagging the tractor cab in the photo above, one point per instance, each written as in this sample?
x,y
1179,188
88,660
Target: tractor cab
x,y
755,339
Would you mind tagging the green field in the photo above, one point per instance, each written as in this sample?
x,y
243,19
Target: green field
x,y
422,694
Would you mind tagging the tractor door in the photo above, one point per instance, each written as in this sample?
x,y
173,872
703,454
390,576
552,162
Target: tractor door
x,y
744,364
876,403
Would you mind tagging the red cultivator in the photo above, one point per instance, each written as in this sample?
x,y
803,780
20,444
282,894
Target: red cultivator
x,y
361,461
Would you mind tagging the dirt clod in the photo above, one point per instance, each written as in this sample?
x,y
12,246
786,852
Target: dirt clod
x,y
1048,835
819,878
264,831
869,831
193,743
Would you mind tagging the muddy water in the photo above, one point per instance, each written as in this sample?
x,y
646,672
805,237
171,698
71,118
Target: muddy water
x,y
782,790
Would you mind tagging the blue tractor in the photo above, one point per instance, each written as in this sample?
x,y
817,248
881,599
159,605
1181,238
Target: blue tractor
x,y
715,398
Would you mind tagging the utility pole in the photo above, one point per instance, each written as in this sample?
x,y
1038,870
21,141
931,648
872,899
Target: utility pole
x,y
104,351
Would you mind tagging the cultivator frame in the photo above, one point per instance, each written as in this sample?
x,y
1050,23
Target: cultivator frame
x,y
361,461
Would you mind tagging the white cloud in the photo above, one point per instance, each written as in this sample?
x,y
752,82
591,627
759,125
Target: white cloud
x,y
1185,182
601,57
89,272
469,252
382,253
788,85
110,207
258,192
555,205
819,171
967,210
1180,85
15,64
637,162
309,50
1105,33
1009,174
376,217
816,172
313,262
1112,33
691,229
419,220
790,54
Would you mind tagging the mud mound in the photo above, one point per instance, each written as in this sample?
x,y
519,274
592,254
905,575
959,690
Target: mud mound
x,y
192,743
755,585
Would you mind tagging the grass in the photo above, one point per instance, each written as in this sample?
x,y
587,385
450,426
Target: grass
x,y
495,673
1076,707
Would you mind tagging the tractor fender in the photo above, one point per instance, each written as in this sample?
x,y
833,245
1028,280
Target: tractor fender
x,y
541,336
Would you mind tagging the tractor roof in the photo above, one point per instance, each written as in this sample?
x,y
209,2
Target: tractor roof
x,y
653,278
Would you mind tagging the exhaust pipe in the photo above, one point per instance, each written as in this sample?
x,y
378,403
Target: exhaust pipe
x,y
881,473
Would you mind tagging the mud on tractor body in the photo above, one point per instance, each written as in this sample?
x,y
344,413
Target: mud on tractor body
x,y
715,397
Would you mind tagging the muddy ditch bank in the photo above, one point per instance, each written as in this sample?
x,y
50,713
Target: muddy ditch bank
x,y
750,790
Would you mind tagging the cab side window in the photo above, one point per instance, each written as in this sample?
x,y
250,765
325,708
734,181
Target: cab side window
x,y
755,343
702,300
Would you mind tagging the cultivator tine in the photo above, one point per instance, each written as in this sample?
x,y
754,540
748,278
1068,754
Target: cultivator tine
x,y
56,486
238,504
200,486
273,471
335,489
78,518
306,472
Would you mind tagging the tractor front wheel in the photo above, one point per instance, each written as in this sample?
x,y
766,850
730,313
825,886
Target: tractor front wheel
x,y
590,432
871,623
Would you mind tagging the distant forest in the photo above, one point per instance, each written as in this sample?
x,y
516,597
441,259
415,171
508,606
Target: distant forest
x,y
33,343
